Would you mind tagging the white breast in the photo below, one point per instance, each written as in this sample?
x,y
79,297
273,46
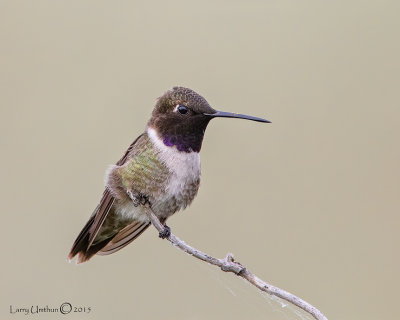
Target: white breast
x,y
184,170
184,166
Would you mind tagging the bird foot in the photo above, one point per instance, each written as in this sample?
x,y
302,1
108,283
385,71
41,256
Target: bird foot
x,y
138,198
165,233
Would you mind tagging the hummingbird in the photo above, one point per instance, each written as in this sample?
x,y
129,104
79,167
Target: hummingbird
x,y
160,170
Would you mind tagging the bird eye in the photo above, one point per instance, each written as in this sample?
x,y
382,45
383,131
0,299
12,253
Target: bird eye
x,y
182,109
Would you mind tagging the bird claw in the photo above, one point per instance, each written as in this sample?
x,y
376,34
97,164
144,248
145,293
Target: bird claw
x,y
165,233
138,198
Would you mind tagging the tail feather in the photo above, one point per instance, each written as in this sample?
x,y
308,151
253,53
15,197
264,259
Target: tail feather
x,y
111,237
82,247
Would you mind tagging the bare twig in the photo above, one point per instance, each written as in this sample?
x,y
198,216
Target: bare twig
x,y
230,265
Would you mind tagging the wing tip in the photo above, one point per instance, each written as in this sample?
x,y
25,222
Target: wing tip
x,y
123,238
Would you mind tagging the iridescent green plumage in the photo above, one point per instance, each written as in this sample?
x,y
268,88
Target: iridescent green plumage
x,y
143,172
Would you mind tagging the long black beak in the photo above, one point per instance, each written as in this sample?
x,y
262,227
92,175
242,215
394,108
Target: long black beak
x,y
223,114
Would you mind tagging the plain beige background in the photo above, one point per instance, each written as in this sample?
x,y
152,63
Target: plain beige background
x,y
310,202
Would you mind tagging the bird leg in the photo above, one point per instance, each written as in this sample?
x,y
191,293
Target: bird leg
x,y
141,199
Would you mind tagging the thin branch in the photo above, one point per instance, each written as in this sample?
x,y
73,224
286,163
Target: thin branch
x,y
230,265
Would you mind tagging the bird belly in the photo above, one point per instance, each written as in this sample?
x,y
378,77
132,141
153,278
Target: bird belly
x,y
163,204
126,209
175,198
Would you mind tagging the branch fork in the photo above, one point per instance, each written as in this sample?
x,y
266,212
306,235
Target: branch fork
x,y
230,265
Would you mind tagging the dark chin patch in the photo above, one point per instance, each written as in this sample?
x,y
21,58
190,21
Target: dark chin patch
x,y
183,143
